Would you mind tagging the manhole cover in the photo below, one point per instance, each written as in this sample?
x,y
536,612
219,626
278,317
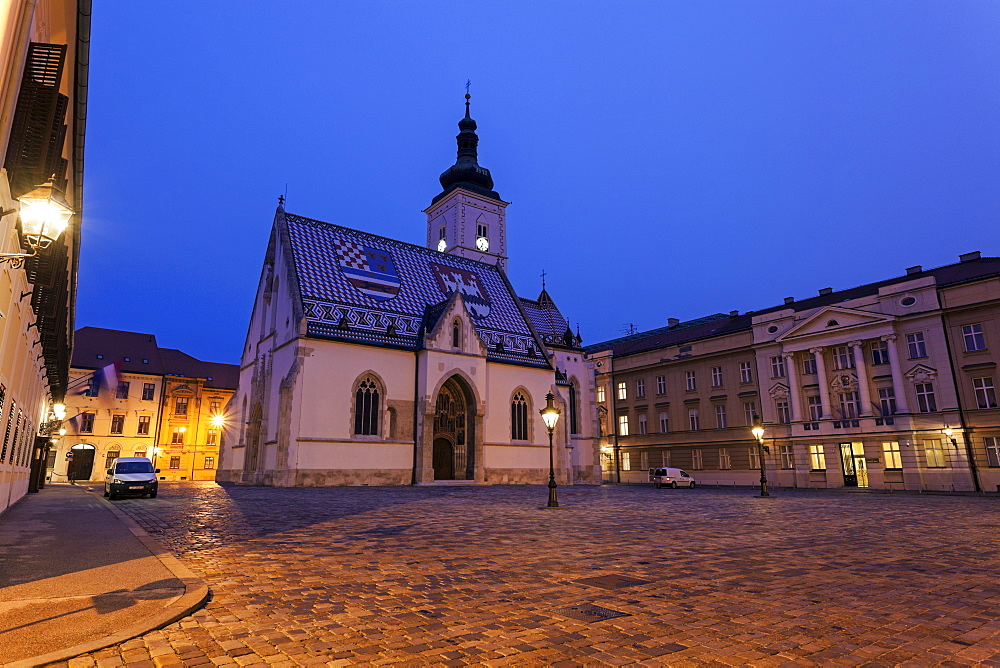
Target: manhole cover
x,y
612,582
589,613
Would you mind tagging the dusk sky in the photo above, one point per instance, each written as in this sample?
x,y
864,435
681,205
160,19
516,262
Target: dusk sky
x,y
662,159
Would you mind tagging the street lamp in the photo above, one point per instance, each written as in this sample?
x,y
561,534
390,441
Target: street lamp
x,y
44,215
550,415
758,433
948,431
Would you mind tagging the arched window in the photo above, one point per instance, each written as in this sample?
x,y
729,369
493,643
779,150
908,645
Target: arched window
x,y
456,332
574,426
519,418
366,408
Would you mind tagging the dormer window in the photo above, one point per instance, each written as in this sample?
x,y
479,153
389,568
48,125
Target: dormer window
x,y
832,323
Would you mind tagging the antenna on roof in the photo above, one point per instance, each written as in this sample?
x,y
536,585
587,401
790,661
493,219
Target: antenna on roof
x,y
629,328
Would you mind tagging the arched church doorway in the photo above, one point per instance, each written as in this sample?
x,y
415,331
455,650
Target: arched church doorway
x,y
82,463
444,459
454,438
252,451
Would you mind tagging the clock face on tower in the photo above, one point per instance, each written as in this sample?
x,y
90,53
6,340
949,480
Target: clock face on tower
x,y
483,244
442,245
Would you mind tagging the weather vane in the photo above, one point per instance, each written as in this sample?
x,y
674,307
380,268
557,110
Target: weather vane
x,y
468,82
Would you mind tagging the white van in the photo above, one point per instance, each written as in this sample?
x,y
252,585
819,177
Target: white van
x,y
130,475
670,477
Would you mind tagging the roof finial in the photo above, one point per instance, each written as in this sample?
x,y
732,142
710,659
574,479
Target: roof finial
x,y
543,279
468,83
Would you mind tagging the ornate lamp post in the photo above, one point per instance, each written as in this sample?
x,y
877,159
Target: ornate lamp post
x,y
44,215
550,415
758,433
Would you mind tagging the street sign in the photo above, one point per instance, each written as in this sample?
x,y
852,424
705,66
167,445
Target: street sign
x,y
69,455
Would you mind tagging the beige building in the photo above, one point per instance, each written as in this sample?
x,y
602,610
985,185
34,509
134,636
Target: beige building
x,y
43,79
371,361
889,385
130,398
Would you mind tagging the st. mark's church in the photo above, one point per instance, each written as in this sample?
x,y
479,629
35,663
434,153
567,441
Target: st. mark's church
x,y
371,361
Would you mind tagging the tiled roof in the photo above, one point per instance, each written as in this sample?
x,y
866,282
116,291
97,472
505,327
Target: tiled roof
x,y
354,285
691,330
713,325
95,348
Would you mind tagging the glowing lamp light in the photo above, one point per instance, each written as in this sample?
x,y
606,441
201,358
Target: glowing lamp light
x,y
757,429
550,414
45,213
59,410
948,431
218,420
62,432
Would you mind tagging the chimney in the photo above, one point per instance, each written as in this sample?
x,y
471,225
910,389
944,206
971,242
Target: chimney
x,y
915,269
789,300
825,291
733,314
673,322
969,257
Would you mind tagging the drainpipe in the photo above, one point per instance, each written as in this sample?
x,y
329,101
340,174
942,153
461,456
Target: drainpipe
x,y
961,411
614,422
416,415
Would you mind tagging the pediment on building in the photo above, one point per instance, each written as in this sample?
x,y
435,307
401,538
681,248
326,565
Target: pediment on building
x,y
778,392
921,373
834,319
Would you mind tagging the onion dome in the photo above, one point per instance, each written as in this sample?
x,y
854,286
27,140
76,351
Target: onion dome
x,y
466,172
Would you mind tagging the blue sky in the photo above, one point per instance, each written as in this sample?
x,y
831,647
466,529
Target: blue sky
x,y
662,159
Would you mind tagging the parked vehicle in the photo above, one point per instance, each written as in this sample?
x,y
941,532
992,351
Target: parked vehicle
x,y
670,477
130,476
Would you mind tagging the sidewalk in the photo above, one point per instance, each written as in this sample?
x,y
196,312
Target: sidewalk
x,y
77,575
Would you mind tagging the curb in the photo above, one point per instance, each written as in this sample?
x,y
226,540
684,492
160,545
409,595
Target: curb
x,y
195,596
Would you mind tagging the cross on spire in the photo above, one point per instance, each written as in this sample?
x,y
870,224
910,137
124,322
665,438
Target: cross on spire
x,y
468,83
543,279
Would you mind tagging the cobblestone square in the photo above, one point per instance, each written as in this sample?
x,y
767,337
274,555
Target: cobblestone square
x,y
485,576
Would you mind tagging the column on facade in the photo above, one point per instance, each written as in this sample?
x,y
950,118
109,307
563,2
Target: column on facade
x,y
898,387
824,386
864,390
794,391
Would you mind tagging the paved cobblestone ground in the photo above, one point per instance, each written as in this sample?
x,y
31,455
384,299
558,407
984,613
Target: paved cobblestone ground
x,y
473,576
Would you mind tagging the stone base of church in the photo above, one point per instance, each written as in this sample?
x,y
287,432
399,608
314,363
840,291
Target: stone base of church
x,y
586,475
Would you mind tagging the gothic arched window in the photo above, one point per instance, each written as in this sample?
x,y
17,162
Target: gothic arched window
x,y
519,418
574,426
456,335
366,408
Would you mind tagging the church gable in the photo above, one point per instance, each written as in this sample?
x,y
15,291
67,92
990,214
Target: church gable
x,y
833,319
363,288
452,329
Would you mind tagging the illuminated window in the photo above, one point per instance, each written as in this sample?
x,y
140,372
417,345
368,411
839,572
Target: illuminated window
x,y
600,394
937,457
112,456
209,462
175,462
622,391
623,425
891,454
212,437
725,462
817,460
177,436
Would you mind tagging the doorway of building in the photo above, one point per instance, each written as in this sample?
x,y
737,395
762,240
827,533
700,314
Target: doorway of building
x,y
453,457
444,459
81,466
852,462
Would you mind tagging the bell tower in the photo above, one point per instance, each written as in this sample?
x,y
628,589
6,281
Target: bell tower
x,y
468,217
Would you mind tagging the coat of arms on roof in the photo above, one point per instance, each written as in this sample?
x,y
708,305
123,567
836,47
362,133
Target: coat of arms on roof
x,y
368,269
450,279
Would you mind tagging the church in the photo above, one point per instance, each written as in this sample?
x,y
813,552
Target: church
x,y
371,361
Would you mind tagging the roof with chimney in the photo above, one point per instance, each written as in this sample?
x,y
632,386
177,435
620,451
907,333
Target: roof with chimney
x,y
972,267
136,352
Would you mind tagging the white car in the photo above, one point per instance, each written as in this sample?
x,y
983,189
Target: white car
x,y
130,476
670,477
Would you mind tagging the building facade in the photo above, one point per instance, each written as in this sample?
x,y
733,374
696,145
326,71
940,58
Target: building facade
x,y
890,385
371,361
43,86
130,398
